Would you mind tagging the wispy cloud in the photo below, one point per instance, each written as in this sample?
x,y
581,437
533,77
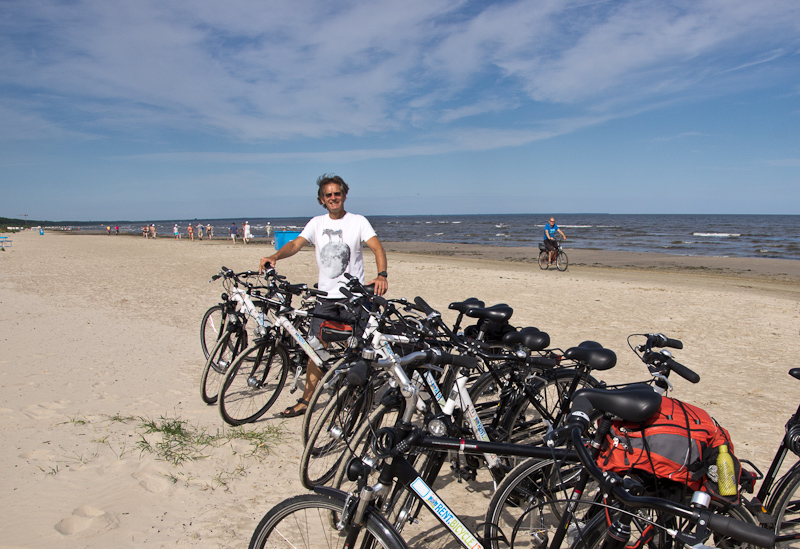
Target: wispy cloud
x,y
287,70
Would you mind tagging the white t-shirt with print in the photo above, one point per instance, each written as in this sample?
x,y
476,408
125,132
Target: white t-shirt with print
x,y
338,244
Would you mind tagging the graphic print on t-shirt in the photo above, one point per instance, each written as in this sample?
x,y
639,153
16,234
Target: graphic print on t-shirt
x,y
335,254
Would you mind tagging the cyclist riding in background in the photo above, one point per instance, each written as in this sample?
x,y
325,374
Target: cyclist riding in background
x,y
550,230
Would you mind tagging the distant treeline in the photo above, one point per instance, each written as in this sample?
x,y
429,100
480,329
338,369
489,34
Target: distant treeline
x,y
14,222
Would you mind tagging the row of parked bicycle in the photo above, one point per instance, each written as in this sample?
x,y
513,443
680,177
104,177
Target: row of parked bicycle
x,y
574,462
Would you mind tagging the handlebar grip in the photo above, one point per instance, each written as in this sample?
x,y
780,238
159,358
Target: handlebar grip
x,y
683,371
427,309
379,301
673,343
660,340
463,361
742,531
347,293
314,291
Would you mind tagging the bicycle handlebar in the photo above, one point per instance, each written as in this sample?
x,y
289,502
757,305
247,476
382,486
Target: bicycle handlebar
x,y
681,370
660,340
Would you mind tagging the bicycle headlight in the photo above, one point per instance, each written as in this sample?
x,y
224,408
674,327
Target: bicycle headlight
x,y
437,427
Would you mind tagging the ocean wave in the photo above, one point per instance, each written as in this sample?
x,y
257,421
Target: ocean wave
x,y
721,235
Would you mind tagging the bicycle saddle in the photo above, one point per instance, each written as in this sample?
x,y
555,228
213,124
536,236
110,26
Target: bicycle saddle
x,y
530,338
597,358
635,403
496,313
464,306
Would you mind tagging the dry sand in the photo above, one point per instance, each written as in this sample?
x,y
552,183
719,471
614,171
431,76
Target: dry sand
x,y
99,336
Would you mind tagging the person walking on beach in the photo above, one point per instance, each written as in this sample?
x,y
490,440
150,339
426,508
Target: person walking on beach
x,y
209,231
176,232
190,231
246,232
233,232
144,231
153,230
199,230
268,228
116,229
550,242
338,239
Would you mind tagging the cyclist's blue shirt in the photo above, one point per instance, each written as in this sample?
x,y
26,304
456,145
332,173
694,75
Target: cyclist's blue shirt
x,y
550,232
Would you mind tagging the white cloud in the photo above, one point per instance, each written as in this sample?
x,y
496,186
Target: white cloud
x,y
251,70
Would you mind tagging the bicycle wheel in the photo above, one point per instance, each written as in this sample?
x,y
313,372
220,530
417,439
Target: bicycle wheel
x,y
786,511
360,445
562,261
319,400
328,441
211,327
253,382
523,510
544,257
487,394
216,366
648,530
304,521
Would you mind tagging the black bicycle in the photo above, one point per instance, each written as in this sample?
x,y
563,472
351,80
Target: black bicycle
x,y
334,518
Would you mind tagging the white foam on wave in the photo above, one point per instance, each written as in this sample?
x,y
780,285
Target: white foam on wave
x,y
721,235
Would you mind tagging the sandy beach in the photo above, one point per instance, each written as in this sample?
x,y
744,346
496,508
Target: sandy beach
x,y
101,360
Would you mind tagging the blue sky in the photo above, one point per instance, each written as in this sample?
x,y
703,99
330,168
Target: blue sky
x,y
156,109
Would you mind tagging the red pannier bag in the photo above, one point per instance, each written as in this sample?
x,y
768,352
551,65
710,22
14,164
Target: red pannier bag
x,y
678,443
330,331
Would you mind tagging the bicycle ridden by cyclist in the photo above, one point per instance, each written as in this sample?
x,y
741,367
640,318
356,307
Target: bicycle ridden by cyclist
x,y
550,230
338,239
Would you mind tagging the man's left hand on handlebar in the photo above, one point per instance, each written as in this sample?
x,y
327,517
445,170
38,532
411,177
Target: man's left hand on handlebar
x,y
381,285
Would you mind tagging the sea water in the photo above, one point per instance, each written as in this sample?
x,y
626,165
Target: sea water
x,y
775,236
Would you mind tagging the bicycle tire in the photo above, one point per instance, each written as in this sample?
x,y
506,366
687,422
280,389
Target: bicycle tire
x,y
319,401
785,507
486,394
253,382
524,500
215,368
304,521
385,414
562,261
644,535
544,257
211,327
328,441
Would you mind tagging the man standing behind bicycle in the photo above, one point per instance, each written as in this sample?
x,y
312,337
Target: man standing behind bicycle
x,y
550,242
338,239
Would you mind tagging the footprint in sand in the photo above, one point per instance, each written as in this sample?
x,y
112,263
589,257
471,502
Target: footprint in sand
x,y
44,410
87,520
153,480
37,455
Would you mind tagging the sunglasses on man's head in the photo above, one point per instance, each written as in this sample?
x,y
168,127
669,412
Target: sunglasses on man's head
x,y
337,193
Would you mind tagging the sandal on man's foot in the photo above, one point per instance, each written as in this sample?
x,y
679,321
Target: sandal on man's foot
x,y
292,411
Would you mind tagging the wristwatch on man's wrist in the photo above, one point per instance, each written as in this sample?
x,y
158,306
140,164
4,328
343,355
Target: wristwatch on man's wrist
x,y
384,274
